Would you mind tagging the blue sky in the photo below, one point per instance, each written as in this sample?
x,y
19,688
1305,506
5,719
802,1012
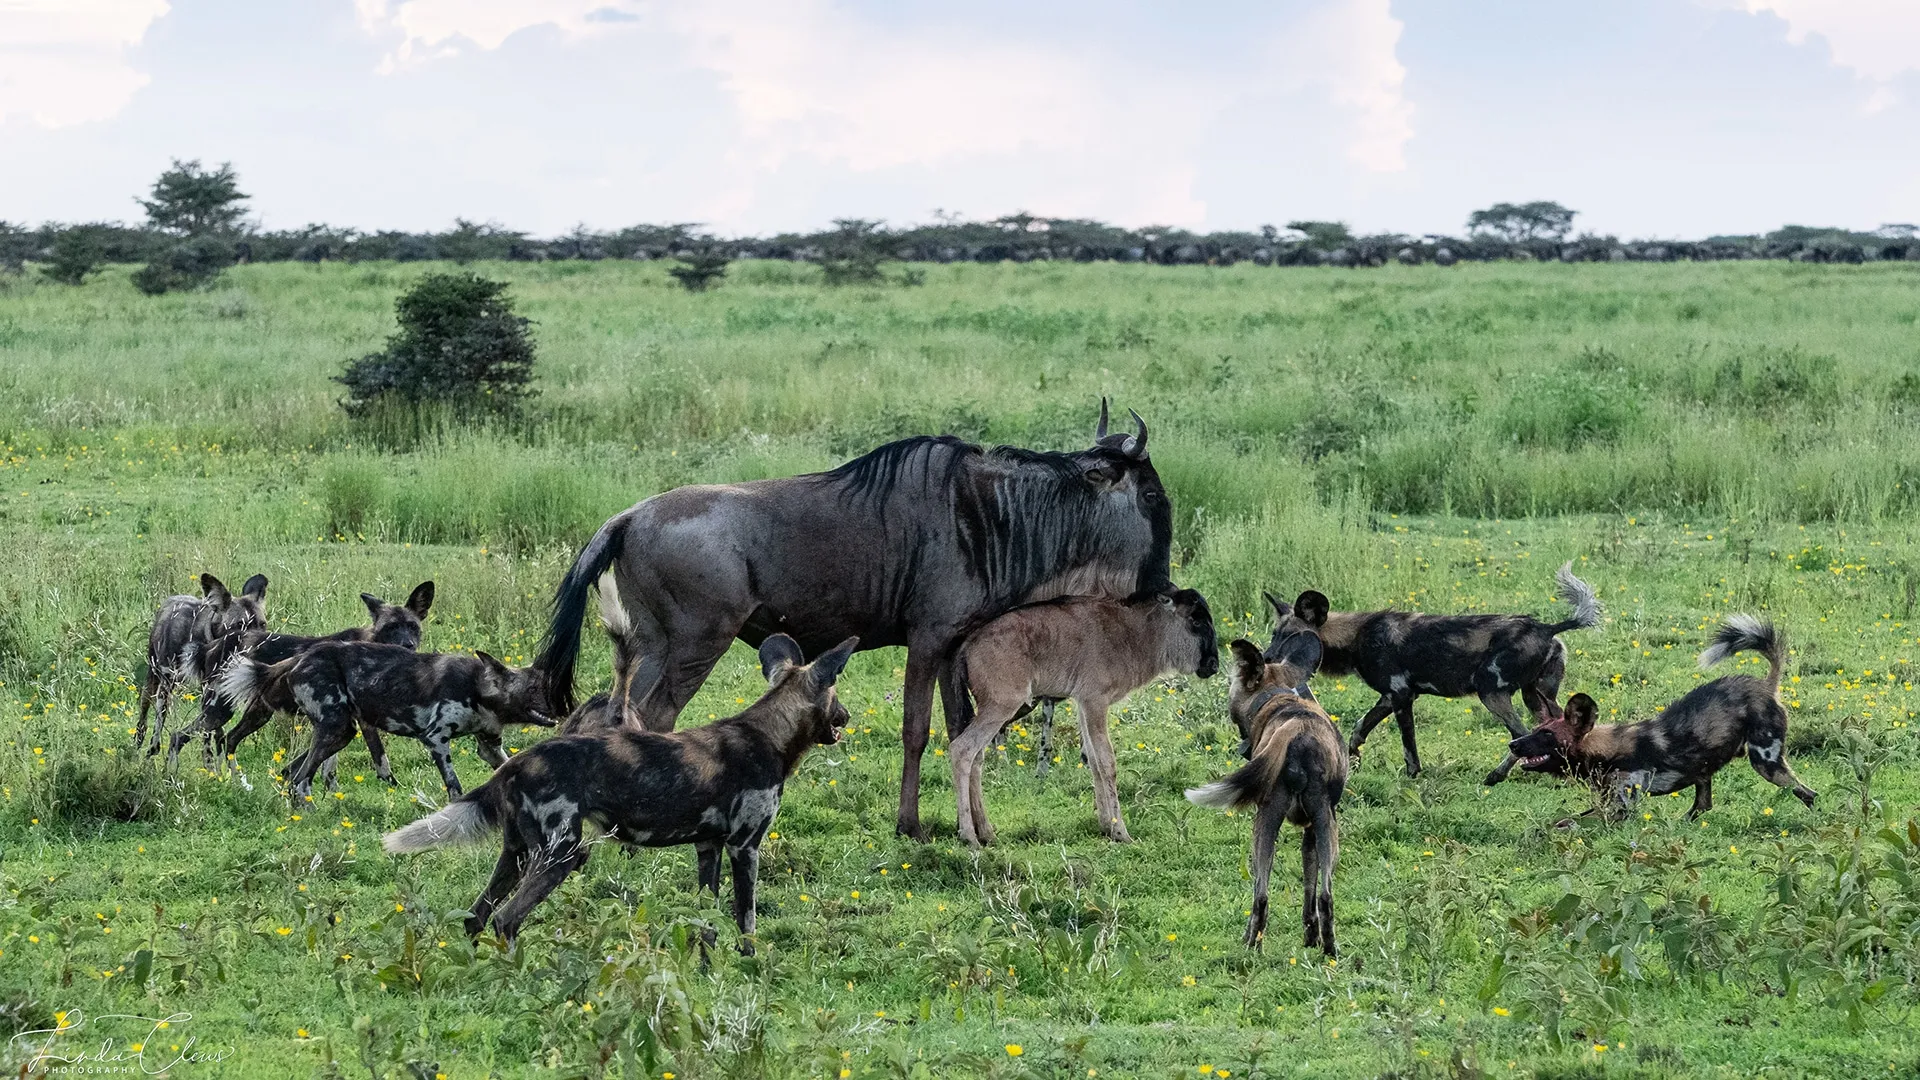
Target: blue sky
x,y
1651,117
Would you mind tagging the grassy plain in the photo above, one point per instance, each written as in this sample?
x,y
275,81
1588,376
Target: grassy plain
x,y
1704,439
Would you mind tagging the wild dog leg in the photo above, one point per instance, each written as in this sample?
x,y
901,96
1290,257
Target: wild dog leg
x,y
1500,704
443,760
915,724
745,861
709,852
1702,798
1380,711
152,692
1543,695
329,738
1266,832
1769,759
506,875
1409,749
1326,843
377,747
161,705
1309,888
253,720
551,864
1099,748
488,747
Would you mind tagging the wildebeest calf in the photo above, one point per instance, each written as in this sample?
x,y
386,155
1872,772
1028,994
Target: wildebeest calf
x,y
391,624
1401,655
713,787
1092,650
433,697
191,639
1296,771
1692,739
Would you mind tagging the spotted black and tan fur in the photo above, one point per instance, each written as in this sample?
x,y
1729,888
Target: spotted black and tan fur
x,y
432,697
1296,771
1092,650
389,624
714,787
1689,741
1402,655
192,638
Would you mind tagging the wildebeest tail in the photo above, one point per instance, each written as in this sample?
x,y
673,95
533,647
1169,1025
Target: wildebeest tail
x,y
464,821
1586,605
562,645
1749,633
959,698
1245,786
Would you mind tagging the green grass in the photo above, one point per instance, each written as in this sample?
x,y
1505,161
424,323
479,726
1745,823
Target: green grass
x,y
1704,439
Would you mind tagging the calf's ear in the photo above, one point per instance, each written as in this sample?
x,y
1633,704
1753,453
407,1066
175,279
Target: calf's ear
x,y
256,586
1312,607
779,651
1581,711
828,665
212,589
1248,665
422,599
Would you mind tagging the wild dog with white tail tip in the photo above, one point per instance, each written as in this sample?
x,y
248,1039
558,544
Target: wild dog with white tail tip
x,y
713,787
1296,771
191,641
433,697
1690,740
1401,655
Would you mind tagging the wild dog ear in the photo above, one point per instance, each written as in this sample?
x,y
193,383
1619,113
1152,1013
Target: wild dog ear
x,y
1312,607
1581,711
422,599
375,605
1281,609
826,667
777,651
494,665
1300,652
212,589
256,587
1249,665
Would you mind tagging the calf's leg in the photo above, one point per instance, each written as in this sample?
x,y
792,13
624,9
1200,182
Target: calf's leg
x,y
1098,744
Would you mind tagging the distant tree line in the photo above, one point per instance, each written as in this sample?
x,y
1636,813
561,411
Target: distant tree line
x,y
195,229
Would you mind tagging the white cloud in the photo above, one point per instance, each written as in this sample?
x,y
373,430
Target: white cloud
x,y
429,28
1880,39
64,62
1348,48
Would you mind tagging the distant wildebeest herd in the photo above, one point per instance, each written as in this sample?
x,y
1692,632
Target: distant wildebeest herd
x,y
1014,578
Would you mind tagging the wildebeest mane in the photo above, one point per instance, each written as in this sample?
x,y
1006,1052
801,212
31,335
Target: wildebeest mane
x,y
879,472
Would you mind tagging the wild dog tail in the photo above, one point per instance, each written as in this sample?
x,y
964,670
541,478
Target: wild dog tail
x,y
244,681
1249,784
464,821
1749,633
1586,605
562,645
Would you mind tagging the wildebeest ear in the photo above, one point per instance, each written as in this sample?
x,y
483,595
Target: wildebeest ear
x,y
422,599
212,589
1249,666
375,605
1581,711
1301,652
1312,607
494,663
1102,474
1281,609
826,667
256,586
779,650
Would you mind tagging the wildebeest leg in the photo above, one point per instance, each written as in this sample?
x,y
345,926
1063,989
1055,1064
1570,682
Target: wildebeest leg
x,y
1380,711
487,746
1769,759
966,757
1046,738
557,857
1403,716
709,852
745,862
1702,798
687,664
506,875
1326,852
1266,831
915,724
1098,745
1500,704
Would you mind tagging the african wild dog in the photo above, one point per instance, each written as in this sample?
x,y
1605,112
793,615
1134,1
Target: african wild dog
x,y
712,787
1296,771
1687,743
392,624
192,639
433,697
1092,650
1401,655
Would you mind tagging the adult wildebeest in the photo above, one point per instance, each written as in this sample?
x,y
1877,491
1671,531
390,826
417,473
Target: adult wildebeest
x,y
192,638
916,543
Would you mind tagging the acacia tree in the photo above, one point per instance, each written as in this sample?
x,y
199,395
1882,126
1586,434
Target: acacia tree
x,y
202,210
1519,223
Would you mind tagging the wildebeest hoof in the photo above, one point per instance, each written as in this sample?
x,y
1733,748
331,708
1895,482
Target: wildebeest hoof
x,y
1253,938
915,832
1119,835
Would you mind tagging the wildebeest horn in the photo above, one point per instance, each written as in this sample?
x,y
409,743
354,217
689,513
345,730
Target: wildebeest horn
x,y
1101,431
1136,445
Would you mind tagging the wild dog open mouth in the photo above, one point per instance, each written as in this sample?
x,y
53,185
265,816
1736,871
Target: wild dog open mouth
x,y
1536,761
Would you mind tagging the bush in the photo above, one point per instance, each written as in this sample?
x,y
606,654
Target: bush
x,y
700,270
190,264
77,252
460,346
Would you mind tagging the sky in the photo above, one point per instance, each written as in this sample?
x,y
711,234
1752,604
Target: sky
x,y
1653,118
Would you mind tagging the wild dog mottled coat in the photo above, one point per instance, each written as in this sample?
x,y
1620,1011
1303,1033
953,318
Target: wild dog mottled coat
x,y
714,787
192,639
1692,739
1092,650
1296,771
1401,655
433,697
